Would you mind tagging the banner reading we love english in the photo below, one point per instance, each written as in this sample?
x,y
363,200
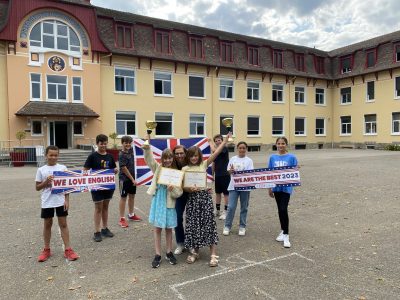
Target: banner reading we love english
x,y
266,178
77,181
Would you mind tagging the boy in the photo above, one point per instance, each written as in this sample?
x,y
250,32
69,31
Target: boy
x,y
101,160
53,202
127,183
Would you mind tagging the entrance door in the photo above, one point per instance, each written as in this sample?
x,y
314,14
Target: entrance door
x,y
58,132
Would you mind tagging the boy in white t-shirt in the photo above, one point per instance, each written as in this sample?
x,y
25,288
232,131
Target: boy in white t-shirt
x,y
53,202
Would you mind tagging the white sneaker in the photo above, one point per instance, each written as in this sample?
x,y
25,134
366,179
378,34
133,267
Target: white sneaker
x,y
217,213
242,231
179,249
223,215
286,242
279,238
226,231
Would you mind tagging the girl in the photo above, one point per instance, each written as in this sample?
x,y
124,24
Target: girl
x,y
282,194
162,209
201,229
239,162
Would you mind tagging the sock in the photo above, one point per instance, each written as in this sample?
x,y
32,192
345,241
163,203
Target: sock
x,y
131,215
226,207
218,206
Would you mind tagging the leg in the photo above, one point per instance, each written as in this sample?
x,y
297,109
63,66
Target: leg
x,y
104,213
180,209
122,203
226,199
131,203
282,201
98,209
157,240
233,198
168,239
48,222
62,222
244,205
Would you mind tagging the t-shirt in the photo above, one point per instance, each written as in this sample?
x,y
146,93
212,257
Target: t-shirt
x,y
285,160
239,164
126,159
48,199
98,161
221,163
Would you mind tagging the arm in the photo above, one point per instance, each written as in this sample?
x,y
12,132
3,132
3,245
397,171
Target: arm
x,y
175,191
149,159
128,174
45,183
66,203
218,150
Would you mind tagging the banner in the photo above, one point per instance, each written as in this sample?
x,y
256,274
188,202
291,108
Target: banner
x,y
266,178
82,181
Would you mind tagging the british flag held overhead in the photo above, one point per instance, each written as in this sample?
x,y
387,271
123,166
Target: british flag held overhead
x,y
143,173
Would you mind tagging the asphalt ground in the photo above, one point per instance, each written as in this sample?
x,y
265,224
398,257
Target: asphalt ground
x,y
344,230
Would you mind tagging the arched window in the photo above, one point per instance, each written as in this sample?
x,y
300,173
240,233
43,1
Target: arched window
x,y
53,34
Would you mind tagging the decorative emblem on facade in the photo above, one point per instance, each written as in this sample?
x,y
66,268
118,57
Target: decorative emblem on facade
x,y
56,63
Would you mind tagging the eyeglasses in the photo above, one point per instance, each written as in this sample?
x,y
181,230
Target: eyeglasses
x,y
180,154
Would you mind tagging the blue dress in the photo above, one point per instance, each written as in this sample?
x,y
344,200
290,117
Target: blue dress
x,y
161,216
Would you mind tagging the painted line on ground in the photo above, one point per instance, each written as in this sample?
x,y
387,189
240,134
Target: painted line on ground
x,y
268,296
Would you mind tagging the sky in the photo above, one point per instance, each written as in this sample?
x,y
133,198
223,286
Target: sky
x,y
323,24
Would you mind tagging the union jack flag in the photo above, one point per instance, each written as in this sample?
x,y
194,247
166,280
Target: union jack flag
x,y
144,175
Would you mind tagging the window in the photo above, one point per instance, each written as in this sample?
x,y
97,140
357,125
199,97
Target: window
x,y
78,128
253,91
196,48
37,128
124,80
396,123
277,93
371,59
370,90
277,126
53,34
397,52
345,64
162,42
345,125
226,89
124,37
253,126
278,59
76,89
56,87
299,62
226,52
397,87
319,64
126,122
319,96
36,86
370,124
164,124
300,126
197,125
163,84
196,86
222,128
319,126
252,55
345,95
299,95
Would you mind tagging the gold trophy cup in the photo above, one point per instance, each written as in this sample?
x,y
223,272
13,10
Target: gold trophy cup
x,y
227,122
150,125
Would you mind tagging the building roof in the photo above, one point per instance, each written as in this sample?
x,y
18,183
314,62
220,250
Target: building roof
x,y
47,109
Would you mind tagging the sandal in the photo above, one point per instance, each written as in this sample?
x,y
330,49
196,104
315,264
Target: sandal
x,y
214,261
192,257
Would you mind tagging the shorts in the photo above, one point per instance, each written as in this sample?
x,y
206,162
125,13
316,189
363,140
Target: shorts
x,y
126,187
98,196
49,212
221,184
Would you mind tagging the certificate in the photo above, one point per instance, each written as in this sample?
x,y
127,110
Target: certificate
x,y
170,177
195,179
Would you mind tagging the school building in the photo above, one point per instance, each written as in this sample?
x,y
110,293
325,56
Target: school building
x,y
70,70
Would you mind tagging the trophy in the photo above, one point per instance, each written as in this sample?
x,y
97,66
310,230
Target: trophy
x,y
227,122
150,125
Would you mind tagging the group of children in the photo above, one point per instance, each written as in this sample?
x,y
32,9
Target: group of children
x,y
168,202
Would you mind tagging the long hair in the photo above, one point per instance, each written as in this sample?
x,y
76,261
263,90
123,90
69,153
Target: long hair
x,y
167,153
192,151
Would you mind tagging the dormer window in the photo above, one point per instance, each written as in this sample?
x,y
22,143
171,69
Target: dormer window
x,y
252,54
319,64
162,41
345,64
124,36
196,47
226,52
299,61
278,59
397,52
371,58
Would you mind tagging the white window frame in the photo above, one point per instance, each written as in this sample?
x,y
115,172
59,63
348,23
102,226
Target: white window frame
x,y
366,94
40,87
134,80
371,123
126,112
204,125
227,86
341,99
340,129
395,121
304,124
227,115
299,93
283,92
283,126
259,126
323,96
73,128
66,89
252,91
396,94
164,80
41,124
172,123
72,89
320,134
204,86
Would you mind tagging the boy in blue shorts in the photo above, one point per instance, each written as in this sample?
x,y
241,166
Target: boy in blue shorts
x,y
53,202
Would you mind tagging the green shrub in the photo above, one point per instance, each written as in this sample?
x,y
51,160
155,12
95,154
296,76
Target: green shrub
x,y
393,147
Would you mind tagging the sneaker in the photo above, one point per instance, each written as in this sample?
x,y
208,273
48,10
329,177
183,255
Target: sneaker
x,y
44,255
123,223
70,254
156,261
242,231
134,218
223,215
179,249
171,258
217,213
286,242
97,237
279,238
107,233
226,231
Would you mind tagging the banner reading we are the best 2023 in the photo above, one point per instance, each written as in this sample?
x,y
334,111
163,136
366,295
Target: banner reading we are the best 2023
x,y
266,178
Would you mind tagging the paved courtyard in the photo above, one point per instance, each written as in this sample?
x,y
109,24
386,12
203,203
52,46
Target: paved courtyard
x,y
344,229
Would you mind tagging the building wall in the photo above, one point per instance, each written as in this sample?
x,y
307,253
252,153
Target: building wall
x,y
4,126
